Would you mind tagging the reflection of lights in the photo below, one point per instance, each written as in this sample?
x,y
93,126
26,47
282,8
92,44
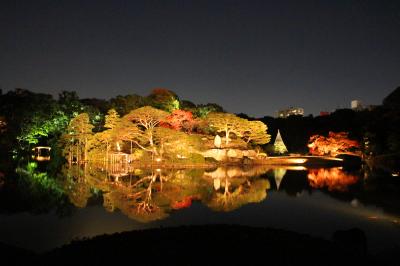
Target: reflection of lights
x,y
181,156
373,217
395,174
295,168
354,203
42,158
158,170
217,183
334,179
158,159
118,147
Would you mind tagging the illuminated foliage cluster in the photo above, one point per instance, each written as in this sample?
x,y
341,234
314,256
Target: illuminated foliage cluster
x,y
79,133
164,99
85,128
250,131
180,120
40,127
333,145
157,132
3,124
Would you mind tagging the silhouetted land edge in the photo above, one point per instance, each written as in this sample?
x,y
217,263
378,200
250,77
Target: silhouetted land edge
x,y
209,245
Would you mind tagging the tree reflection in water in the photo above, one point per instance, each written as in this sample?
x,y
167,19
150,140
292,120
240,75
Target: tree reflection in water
x,y
151,194
235,187
334,179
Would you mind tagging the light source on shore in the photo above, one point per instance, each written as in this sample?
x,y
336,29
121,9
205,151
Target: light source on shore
x,y
158,159
299,160
41,153
118,147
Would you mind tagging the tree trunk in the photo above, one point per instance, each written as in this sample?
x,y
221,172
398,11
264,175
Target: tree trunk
x,y
106,151
85,151
131,147
227,137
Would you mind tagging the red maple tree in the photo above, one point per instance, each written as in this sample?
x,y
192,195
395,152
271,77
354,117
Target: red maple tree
x,y
336,143
180,120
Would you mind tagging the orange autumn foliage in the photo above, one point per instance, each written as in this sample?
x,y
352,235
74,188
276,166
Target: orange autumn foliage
x,y
334,179
333,145
180,120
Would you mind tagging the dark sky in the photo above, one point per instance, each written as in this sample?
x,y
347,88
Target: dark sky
x,y
249,56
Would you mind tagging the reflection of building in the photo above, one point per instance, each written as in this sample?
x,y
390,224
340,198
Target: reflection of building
x,y
290,111
279,145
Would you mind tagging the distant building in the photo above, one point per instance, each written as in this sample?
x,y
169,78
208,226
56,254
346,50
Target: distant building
x,y
290,111
356,105
370,107
324,113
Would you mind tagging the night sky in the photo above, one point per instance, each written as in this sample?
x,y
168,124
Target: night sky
x,y
253,57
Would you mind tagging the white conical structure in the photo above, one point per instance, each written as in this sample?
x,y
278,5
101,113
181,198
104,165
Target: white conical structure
x,y
279,145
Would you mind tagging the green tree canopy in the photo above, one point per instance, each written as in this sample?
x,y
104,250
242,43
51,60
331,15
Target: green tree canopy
x,y
164,99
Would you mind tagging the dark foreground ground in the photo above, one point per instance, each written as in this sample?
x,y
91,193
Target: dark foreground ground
x,y
208,245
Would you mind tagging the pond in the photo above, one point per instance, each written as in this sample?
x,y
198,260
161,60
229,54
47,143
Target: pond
x,y
41,213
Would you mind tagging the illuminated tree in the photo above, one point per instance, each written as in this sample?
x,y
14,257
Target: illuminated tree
x,y
202,110
333,145
175,143
42,127
146,119
164,99
79,132
226,123
180,120
112,119
255,132
128,131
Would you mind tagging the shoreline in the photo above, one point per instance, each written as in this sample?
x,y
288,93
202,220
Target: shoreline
x,y
303,160
211,244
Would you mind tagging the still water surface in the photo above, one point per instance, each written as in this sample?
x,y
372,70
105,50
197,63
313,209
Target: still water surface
x,y
95,200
